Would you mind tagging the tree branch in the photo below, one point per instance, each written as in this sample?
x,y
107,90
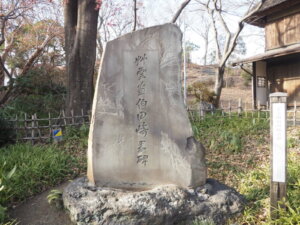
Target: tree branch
x,y
223,23
4,69
183,5
135,15
36,54
235,37
215,32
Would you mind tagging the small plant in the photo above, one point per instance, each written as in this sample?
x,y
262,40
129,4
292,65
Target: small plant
x,y
4,178
203,222
55,198
292,142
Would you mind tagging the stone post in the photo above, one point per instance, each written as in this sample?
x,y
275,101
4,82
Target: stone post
x,y
278,126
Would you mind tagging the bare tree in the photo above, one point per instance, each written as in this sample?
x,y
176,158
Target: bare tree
x,y
115,19
203,32
179,11
215,12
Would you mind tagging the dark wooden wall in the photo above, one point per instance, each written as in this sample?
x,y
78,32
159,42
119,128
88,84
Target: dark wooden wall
x,y
284,76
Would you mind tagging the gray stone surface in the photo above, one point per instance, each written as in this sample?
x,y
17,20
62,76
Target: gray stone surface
x,y
163,205
140,134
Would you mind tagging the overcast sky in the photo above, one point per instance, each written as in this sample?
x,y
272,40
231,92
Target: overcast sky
x,y
161,11
156,12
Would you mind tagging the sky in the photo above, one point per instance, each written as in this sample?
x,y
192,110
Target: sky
x,y
155,12
162,11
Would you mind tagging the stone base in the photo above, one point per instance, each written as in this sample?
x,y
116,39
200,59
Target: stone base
x,y
164,205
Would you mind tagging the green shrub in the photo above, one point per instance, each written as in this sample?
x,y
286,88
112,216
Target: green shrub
x,y
37,92
201,91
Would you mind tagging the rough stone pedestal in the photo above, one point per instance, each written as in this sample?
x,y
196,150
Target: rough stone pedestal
x,y
162,205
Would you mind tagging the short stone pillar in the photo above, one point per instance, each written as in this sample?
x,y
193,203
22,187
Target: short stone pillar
x,y
278,126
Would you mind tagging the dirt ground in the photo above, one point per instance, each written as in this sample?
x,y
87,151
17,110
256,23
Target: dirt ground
x,y
233,89
37,211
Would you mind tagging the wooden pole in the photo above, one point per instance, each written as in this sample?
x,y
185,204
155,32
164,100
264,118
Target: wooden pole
x,y
254,91
38,127
72,115
240,107
278,126
50,126
32,129
17,126
201,111
25,125
259,107
64,117
89,115
82,114
295,113
229,108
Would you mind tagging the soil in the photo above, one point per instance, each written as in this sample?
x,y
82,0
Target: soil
x,y
37,211
234,87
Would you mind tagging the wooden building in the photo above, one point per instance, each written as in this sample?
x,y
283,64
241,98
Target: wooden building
x,y
278,69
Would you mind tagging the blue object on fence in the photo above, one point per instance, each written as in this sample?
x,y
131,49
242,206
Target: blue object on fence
x,y
57,134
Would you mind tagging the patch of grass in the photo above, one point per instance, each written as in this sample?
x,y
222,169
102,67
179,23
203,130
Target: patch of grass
x,y
255,187
233,145
38,168
245,165
228,134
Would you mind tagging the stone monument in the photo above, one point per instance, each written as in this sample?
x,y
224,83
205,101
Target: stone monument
x,y
140,134
144,165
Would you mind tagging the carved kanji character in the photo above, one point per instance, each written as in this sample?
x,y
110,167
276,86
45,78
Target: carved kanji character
x,y
142,129
142,103
142,146
141,115
142,159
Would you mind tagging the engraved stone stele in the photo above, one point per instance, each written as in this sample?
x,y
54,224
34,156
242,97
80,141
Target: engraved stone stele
x,y
140,134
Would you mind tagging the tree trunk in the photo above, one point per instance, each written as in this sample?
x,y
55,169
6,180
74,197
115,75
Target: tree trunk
x,y
219,85
2,77
81,17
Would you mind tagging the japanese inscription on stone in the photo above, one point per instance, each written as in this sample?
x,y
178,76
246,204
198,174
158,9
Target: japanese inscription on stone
x,y
142,128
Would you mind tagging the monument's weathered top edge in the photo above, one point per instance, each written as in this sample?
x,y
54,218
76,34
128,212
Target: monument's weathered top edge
x,y
125,36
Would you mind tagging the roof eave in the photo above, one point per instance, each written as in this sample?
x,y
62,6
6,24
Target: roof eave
x,y
292,49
